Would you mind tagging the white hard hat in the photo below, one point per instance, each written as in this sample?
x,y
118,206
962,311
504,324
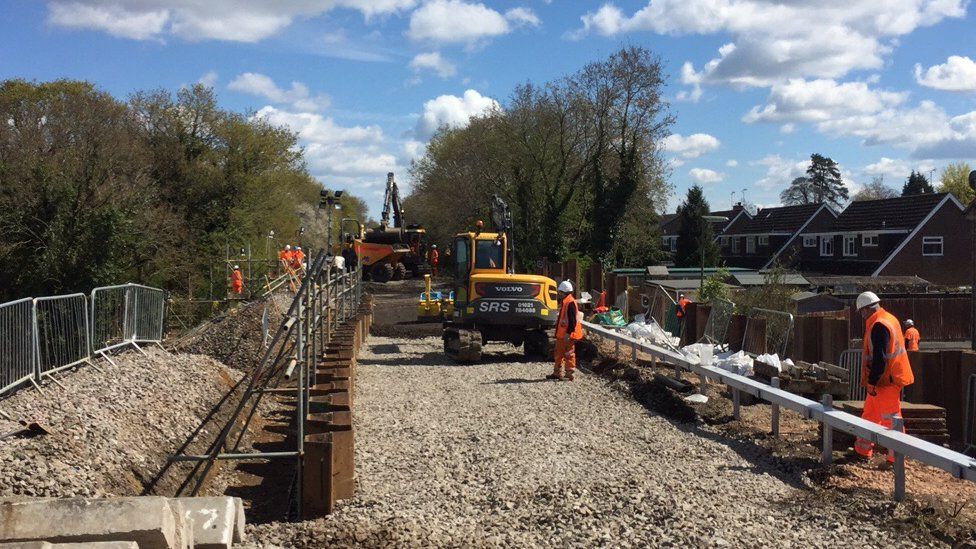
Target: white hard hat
x,y
867,299
236,267
565,286
287,246
298,247
909,322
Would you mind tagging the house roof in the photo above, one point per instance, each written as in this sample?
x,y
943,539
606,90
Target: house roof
x,y
904,212
783,219
761,279
868,281
718,226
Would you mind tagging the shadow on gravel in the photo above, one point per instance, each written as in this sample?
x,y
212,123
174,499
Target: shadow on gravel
x,y
440,359
513,380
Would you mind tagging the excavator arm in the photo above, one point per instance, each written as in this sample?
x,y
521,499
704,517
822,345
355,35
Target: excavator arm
x,y
391,202
501,216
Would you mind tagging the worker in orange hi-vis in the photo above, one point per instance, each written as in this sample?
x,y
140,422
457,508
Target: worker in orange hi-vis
x,y
885,369
569,330
912,337
237,281
682,307
435,259
285,256
298,258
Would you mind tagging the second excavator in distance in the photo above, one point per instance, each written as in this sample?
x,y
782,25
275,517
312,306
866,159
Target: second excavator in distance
x,y
491,302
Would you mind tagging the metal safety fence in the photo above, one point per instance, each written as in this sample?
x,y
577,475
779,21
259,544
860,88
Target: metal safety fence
x,y
663,308
970,424
767,332
719,319
16,343
44,335
851,361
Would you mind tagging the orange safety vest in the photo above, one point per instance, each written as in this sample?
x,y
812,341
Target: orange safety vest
x,y
682,303
297,259
562,324
898,370
912,337
286,255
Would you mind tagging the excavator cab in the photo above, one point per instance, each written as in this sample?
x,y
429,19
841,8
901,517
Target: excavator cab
x,y
492,303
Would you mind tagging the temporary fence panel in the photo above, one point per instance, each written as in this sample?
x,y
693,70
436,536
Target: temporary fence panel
x,y
16,343
148,306
660,306
970,420
767,332
110,325
719,318
61,332
851,360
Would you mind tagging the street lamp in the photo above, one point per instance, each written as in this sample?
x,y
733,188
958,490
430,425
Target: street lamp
x,y
701,246
329,201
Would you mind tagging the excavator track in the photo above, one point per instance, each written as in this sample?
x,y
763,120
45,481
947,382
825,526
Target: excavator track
x,y
462,344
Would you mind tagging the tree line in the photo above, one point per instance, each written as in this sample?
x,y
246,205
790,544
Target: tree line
x,y
95,190
578,159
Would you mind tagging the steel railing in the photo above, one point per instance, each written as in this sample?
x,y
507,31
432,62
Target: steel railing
x,y
970,420
958,465
767,331
44,335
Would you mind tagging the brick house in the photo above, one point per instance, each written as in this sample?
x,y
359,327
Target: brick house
x,y
757,242
921,235
671,225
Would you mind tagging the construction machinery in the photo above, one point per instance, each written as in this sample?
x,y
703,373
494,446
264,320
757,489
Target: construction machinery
x,y
491,302
434,306
381,257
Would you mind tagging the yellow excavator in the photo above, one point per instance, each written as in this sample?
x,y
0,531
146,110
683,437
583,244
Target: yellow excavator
x,y
491,302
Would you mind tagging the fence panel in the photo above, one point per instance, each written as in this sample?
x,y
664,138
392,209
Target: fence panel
x,y
16,343
851,360
109,326
660,306
970,419
717,326
148,306
61,332
767,332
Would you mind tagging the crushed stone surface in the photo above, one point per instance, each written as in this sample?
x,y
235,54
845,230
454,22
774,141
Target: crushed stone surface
x,y
489,455
111,432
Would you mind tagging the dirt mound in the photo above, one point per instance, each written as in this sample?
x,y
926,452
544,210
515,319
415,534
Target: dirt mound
x,y
112,432
236,338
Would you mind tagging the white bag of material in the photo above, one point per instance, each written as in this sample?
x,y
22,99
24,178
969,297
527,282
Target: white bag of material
x,y
703,353
737,363
788,365
651,333
772,360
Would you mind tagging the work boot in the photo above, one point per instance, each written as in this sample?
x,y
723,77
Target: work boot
x,y
569,376
557,375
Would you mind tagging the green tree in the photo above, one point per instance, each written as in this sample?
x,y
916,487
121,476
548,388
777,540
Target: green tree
x,y
825,181
800,191
695,234
955,180
917,183
875,190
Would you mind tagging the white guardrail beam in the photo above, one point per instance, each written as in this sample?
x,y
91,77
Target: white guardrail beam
x,y
958,465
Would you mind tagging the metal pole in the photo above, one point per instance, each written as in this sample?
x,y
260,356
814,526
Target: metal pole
x,y
736,403
775,383
898,424
299,424
827,455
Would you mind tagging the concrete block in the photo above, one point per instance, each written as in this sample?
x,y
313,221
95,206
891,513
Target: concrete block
x,y
92,545
152,522
217,521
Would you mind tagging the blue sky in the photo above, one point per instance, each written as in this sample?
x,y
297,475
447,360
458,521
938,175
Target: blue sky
x,y
881,86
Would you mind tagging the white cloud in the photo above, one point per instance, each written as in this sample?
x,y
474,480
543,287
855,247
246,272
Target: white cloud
x,y
897,169
956,74
456,21
779,171
787,128
332,149
691,146
732,163
452,111
297,96
799,100
234,20
801,38
209,79
703,175
433,61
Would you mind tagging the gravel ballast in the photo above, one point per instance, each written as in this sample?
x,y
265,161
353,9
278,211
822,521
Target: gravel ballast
x,y
490,455
112,432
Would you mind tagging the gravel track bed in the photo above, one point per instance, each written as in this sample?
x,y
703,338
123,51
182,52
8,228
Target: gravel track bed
x,y
112,432
488,455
